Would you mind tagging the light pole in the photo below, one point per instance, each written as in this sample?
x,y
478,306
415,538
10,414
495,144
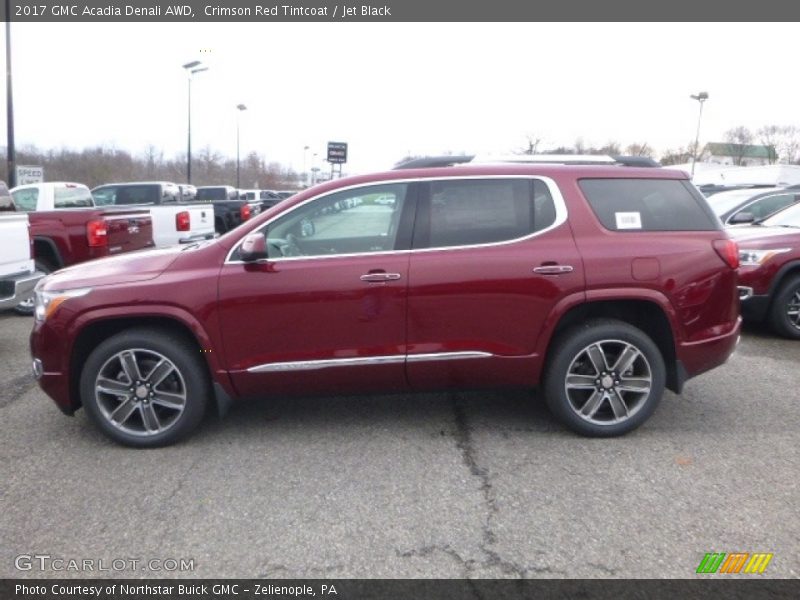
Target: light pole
x,y
241,107
11,155
314,168
701,97
191,68
305,173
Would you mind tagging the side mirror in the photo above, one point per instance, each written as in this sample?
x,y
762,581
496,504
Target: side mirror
x,y
253,248
742,217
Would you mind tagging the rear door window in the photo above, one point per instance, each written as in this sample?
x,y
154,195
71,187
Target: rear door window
x,y
648,205
467,212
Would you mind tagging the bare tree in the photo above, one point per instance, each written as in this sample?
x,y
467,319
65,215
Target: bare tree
x,y
785,139
636,149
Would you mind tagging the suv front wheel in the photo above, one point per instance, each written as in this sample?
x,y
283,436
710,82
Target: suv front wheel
x,y
145,387
604,378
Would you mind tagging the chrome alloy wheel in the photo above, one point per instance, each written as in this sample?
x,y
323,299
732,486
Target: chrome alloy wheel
x,y
793,309
608,382
140,392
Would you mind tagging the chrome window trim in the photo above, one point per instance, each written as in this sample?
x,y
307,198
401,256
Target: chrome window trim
x,y
555,194
312,365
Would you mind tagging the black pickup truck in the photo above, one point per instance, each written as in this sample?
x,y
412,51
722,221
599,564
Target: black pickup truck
x,y
229,210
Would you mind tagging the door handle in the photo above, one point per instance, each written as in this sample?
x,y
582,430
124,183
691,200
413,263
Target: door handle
x,y
553,269
378,277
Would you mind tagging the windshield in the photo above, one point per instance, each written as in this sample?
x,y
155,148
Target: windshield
x,y
788,217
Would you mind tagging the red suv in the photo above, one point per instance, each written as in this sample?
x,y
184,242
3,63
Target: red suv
x,y
602,285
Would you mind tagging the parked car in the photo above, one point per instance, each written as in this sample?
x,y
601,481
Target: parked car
x,y
748,205
68,229
265,198
229,210
600,285
769,275
18,275
283,194
174,221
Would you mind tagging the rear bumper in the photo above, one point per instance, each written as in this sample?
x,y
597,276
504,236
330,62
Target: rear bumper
x,y
703,355
16,289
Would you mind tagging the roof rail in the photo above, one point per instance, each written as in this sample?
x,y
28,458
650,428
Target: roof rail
x,y
553,159
433,161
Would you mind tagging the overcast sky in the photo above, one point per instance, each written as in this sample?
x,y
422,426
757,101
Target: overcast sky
x,y
389,89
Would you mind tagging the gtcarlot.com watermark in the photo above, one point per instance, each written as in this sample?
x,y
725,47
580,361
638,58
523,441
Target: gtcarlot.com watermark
x,y
47,562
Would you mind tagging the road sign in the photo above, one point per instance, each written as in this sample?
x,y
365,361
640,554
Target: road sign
x,y
337,152
29,174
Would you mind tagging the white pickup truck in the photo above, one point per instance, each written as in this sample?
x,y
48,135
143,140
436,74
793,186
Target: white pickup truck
x,y
17,274
174,222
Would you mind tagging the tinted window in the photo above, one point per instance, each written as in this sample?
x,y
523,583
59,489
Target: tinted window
x,y
212,193
138,194
648,205
474,211
72,197
350,222
763,207
26,199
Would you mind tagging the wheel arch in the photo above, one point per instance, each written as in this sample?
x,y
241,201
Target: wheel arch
x,y
94,328
645,314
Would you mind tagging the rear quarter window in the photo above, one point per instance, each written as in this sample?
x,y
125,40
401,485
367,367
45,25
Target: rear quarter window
x,y
648,205
72,197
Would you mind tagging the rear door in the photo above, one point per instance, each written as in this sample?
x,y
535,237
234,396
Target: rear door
x,y
491,257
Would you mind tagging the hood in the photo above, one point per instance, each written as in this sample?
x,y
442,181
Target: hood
x,y
765,235
123,268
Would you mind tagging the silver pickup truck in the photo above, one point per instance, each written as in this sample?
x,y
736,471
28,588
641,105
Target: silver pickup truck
x,y
17,274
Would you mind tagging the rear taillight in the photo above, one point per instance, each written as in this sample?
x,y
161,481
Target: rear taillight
x,y
728,251
182,221
30,240
97,233
245,212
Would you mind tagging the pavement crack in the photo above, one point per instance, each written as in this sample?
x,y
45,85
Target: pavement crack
x,y
16,388
426,551
183,479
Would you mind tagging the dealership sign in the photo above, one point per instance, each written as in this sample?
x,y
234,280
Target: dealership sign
x,y
337,152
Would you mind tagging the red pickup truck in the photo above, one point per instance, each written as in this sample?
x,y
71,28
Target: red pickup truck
x,y
67,228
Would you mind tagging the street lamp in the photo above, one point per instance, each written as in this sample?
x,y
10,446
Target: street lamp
x,y
305,173
241,107
191,68
701,97
11,155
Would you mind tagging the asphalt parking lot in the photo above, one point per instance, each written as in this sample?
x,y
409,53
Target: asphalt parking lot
x,y
441,485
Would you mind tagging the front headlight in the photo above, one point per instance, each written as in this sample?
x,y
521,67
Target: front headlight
x,y
754,258
46,303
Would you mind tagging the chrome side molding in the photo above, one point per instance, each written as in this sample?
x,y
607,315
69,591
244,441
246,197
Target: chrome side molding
x,y
311,365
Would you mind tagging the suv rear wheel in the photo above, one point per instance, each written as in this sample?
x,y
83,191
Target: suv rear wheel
x,y
145,387
605,378
785,312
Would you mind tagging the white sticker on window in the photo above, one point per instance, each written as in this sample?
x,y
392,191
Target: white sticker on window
x,y
628,220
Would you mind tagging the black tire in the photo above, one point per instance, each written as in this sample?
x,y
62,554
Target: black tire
x,y
26,308
784,314
188,377
617,394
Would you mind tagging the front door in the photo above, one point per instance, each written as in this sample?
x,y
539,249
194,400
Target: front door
x,y
326,312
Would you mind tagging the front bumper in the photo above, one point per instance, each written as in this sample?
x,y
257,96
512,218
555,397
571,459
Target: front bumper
x,y
755,308
17,289
50,366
